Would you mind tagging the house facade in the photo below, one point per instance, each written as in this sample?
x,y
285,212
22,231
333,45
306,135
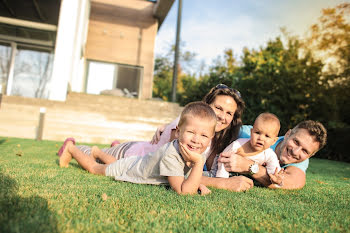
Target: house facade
x,y
50,47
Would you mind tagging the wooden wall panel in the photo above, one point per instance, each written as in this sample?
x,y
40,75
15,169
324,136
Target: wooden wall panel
x,y
123,32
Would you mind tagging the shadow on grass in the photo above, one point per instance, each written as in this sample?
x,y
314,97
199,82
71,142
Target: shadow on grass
x,y
18,214
2,141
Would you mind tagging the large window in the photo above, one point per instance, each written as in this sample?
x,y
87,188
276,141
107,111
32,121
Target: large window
x,y
107,76
25,70
5,55
32,73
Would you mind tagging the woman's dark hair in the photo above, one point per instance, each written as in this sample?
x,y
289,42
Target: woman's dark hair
x,y
228,135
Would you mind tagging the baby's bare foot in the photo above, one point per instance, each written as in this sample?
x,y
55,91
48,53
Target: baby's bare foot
x,y
66,157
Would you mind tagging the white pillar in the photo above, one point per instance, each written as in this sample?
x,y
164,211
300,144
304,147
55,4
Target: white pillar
x,y
11,68
66,47
78,72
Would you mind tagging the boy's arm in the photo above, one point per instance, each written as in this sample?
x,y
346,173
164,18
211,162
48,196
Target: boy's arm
x,y
294,178
189,185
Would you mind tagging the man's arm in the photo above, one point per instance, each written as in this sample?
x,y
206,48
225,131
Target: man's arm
x,y
235,183
294,178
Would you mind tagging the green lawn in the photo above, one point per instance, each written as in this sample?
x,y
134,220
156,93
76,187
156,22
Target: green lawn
x,y
36,195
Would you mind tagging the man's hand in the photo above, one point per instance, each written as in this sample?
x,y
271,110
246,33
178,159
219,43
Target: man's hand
x,y
189,156
157,134
234,162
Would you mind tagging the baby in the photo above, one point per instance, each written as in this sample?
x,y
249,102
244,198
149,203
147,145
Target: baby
x,y
178,163
263,135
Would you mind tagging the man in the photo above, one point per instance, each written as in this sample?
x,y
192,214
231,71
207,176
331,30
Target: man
x,y
293,151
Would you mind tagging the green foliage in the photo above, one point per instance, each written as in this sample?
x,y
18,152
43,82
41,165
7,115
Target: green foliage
x,y
330,42
163,73
297,80
276,79
337,145
39,196
330,37
187,83
223,71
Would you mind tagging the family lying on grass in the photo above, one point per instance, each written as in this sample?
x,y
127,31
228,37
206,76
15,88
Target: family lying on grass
x,y
180,164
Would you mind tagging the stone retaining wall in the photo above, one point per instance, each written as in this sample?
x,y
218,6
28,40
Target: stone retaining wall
x,y
88,118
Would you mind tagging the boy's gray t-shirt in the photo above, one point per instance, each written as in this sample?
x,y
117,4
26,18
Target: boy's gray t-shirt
x,y
153,168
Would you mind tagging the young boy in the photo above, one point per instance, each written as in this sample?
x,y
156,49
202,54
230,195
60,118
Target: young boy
x,y
263,135
178,163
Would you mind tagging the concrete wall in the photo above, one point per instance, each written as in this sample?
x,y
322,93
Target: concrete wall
x,y
88,118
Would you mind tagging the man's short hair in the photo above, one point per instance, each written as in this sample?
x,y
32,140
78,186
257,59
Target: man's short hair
x,y
198,109
315,129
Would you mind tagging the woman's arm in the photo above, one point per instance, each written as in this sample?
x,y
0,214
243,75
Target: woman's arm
x,y
165,131
157,134
234,183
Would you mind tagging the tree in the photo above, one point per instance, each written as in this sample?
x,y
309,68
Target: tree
x,y
163,73
223,70
330,39
278,80
162,78
330,42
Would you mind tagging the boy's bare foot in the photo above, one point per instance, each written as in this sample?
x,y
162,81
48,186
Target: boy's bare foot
x,y
94,151
66,157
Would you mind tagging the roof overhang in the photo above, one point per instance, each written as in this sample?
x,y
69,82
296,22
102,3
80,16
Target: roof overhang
x,y
161,10
29,21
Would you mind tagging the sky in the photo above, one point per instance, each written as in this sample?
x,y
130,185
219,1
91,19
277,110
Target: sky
x,y
210,27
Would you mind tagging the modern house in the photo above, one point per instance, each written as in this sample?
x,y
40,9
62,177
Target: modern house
x,y
49,47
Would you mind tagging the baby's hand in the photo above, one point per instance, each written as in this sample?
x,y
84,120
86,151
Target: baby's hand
x,y
278,177
189,156
203,190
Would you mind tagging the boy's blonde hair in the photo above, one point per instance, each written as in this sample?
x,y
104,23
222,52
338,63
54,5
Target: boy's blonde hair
x,y
198,109
270,118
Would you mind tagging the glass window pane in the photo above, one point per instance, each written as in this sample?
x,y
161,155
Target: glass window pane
x,y
5,54
100,77
129,77
32,73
